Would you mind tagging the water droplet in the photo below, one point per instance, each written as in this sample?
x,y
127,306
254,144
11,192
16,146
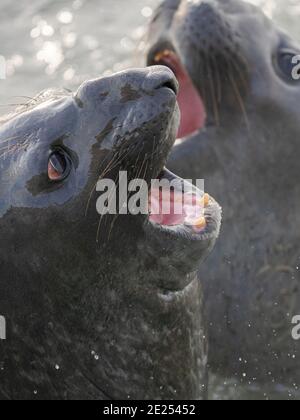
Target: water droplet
x,y
147,12
65,17
47,31
69,74
35,32
77,4
70,39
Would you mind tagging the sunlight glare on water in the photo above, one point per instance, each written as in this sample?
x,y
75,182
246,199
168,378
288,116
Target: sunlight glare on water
x,y
60,43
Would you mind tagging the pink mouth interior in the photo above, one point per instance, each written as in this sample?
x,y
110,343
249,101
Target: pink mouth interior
x,y
174,208
193,114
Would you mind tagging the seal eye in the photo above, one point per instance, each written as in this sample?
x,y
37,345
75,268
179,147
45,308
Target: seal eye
x,y
59,166
288,65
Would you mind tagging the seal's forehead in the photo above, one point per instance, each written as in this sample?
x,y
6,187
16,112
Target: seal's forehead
x,y
233,8
230,6
238,7
175,20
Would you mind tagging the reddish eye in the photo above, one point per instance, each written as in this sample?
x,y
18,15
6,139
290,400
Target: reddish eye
x,y
59,166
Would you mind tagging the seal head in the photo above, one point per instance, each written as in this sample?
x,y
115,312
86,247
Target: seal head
x,y
214,49
239,98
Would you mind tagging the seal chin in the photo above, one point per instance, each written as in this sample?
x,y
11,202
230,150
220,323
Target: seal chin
x,y
183,210
182,227
191,104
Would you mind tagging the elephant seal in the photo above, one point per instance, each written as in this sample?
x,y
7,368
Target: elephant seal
x,y
108,310
240,124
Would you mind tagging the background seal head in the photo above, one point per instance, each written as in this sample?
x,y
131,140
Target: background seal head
x,y
242,135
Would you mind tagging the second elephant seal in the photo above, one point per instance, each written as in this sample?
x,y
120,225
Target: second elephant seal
x,y
240,129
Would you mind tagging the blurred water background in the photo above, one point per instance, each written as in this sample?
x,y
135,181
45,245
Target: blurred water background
x,y
60,43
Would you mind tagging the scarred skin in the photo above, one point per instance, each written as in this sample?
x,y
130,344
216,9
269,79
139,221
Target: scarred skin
x,y
248,154
109,310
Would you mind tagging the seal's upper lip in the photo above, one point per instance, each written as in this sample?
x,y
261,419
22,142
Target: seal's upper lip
x,y
193,111
185,209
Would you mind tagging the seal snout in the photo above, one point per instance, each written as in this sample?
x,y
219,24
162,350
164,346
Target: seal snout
x,y
164,78
203,45
130,85
157,78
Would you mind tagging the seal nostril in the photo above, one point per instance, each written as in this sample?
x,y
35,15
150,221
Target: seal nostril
x,y
169,84
173,86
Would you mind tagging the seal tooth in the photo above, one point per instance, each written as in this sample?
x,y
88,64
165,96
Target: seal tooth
x,y
200,223
158,57
204,202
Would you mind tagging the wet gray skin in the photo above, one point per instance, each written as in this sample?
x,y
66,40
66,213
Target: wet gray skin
x,y
108,310
248,152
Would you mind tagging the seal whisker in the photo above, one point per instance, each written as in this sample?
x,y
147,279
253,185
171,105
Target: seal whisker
x,y
239,71
116,216
218,80
213,97
109,198
239,99
25,97
98,229
138,174
10,145
9,139
11,149
95,385
29,101
146,169
203,88
151,157
113,163
112,226
13,105
116,160
94,188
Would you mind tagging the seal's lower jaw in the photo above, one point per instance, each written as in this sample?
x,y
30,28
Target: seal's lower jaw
x,y
192,108
184,210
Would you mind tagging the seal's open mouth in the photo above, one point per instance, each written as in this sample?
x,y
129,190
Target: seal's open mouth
x,y
177,204
193,113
